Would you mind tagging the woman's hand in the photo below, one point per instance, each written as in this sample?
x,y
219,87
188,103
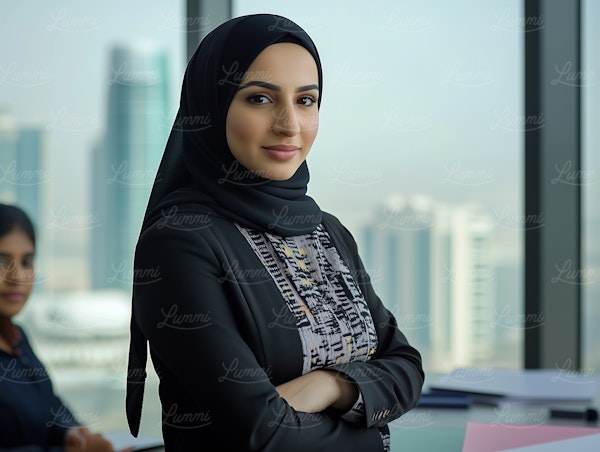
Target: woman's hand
x,y
318,390
79,439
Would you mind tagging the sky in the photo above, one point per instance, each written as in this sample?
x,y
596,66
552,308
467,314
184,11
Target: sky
x,y
419,97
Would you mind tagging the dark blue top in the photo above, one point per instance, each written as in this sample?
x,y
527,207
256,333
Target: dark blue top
x,y
30,413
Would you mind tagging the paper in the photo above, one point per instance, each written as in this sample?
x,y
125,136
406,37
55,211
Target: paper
x,y
124,440
532,385
487,437
588,443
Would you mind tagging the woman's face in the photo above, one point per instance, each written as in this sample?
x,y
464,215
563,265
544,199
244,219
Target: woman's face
x,y
273,119
16,271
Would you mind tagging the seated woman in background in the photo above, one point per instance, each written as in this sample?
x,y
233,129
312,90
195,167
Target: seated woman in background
x,y
32,417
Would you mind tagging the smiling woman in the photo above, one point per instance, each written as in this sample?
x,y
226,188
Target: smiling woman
x,y
266,306
272,126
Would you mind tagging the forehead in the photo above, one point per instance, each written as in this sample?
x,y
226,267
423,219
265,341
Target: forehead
x,y
283,62
16,243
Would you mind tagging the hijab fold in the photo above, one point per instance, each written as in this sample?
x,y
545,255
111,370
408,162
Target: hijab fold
x,y
198,169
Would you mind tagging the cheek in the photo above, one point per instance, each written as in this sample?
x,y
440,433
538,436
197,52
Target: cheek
x,y
242,129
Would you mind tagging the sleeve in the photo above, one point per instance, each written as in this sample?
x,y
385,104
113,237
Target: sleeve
x,y
57,417
391,382
189,282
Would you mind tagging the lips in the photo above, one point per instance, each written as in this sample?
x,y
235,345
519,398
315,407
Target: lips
x,y
282,147
15,297
282,152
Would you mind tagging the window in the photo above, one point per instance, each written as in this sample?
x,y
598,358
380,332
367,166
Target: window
x,y
590,184
420,155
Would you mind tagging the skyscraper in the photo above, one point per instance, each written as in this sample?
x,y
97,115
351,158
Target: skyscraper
x,y
432,266
21,172
125,160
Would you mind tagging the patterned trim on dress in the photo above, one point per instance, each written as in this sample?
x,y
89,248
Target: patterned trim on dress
x,y
332,315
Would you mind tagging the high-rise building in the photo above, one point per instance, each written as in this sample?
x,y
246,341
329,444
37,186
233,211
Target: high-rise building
x,y
21,168
125,160
432,266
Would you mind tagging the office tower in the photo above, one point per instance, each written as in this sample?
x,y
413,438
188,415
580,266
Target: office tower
x,y
432,266
125,160
21,172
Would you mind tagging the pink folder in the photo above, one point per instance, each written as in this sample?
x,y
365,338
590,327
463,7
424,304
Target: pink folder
x,y
487,437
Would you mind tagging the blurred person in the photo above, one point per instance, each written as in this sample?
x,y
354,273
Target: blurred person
x,y
262,323
32,417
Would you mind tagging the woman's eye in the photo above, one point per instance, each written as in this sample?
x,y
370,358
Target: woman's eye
x,y
258,99
307,101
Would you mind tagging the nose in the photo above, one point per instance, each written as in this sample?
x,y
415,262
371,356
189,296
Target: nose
x,y
16,273
285,121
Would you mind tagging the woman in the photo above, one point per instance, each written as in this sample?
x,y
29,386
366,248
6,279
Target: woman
x,y
263,326
32,417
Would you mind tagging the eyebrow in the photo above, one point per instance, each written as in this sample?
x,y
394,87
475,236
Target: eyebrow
x,y
272,87
10,255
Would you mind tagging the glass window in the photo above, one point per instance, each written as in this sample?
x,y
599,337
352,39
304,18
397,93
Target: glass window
x,y
590,277
420,153
89,92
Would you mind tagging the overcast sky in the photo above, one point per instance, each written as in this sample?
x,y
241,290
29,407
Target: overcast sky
x,y
419,96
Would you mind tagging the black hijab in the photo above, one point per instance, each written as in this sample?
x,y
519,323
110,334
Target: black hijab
x,y
198,171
